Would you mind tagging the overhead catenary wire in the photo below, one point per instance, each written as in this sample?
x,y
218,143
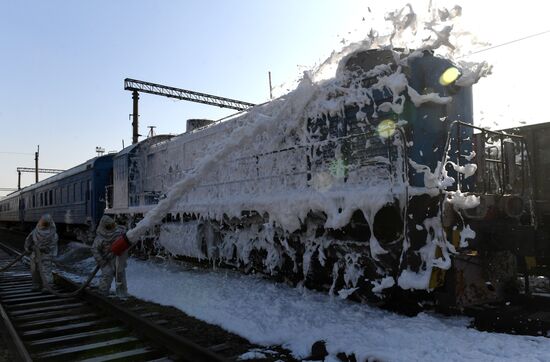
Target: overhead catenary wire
x,y
15,153
506,43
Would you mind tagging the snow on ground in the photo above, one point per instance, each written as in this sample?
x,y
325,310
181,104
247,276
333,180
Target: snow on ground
x,y
268,313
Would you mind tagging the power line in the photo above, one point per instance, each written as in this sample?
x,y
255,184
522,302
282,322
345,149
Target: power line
x,y
507,43
15,153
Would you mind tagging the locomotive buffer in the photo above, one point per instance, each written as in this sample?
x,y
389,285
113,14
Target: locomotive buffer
x,y
171,92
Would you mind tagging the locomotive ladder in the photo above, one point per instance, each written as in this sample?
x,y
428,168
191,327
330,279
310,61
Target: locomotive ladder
x,y
43,327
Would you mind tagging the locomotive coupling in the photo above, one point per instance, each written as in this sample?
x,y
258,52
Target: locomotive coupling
x,y
120,245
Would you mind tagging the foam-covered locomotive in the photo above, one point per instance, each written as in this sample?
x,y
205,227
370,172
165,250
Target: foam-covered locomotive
x,y
364,184
372,184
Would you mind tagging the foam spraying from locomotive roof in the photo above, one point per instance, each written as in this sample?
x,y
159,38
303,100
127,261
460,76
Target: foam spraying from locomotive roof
x,y
321,91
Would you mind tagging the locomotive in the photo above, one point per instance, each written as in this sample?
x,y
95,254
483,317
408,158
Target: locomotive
x,y
373,185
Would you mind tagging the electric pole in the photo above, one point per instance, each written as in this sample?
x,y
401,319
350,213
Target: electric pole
x,y
35,164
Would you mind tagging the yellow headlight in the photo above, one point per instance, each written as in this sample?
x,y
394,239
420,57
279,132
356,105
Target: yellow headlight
x,y
449,76
386,128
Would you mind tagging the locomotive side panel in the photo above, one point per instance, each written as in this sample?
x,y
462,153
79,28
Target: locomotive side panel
x,y
365,198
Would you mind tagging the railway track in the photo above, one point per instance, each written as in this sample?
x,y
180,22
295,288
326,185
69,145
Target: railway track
x,y
43,327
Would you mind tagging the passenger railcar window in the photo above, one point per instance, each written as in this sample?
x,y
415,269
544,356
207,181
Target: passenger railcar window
x,y
41,199
74,192
51,197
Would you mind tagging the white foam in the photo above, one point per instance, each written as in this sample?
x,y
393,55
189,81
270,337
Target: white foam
x,y
217,176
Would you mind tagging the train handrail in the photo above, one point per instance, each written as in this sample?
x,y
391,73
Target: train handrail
x,y
501,135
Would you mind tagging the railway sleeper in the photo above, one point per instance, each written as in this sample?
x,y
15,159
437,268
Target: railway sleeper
x,y
42,297
16,294
51,322
38,304
60,307
91,349
50,314
67,328
95,335
136,354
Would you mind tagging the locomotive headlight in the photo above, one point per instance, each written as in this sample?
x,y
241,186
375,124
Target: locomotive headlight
x,y
449,76
386,128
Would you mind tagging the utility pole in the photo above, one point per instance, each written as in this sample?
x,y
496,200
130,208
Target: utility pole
x,y
35,165
135,116
270,88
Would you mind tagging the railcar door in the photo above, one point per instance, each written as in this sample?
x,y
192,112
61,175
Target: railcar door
x,y
22,209
89,198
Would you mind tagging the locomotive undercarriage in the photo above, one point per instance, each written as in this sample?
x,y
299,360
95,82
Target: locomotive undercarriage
x,y
338,261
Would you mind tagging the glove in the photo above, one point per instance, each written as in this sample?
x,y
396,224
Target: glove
x,y
120,245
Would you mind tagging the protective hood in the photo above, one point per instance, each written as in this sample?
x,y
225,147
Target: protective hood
x,y
107,232
45,229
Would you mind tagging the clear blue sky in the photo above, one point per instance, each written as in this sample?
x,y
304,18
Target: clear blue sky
x,y
62,64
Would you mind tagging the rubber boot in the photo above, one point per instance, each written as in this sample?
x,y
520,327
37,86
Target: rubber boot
x,y
121,290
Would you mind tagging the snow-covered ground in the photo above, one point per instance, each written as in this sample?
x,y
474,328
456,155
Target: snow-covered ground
x,y
267,313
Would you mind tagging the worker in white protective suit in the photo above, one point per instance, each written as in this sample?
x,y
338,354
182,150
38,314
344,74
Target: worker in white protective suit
x,y
111,266
41,243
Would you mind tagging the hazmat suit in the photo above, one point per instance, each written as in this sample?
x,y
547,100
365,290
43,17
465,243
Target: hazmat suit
x,y
87,235
111,267
44,238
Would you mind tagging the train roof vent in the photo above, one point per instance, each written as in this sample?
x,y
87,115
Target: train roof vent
x,y
193,124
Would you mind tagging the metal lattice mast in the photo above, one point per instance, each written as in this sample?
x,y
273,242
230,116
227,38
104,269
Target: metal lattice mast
x,y
136,86
34,170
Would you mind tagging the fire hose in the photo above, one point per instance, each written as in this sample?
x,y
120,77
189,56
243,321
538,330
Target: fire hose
x,y
46,282
44,278
13,262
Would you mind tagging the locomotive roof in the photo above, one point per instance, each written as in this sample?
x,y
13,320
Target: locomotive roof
x,y
145,142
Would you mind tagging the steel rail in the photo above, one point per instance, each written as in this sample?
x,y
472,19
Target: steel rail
x,y
159,336
182,347
22,353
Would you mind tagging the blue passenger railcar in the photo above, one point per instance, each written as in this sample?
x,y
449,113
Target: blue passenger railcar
x,y
74,198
